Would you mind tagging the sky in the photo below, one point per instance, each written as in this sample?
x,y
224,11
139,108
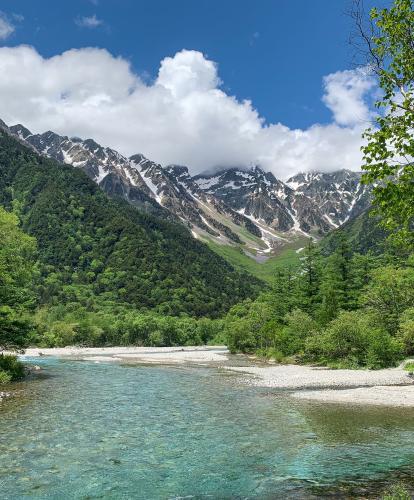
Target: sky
x,y
204,83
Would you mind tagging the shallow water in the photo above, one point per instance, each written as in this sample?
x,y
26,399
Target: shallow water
x,y
91,430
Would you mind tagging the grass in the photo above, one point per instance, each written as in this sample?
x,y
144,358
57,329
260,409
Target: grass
x,y
265,270
409,367
4,377
397,492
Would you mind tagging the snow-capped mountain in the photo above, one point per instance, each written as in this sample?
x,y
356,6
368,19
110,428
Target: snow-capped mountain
x,y
339,195
112,171
233,206
143,183
265,200
173,188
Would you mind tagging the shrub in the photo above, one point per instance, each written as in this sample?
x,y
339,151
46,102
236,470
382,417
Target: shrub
x,y
397,492
4,377
352,340
10,365
406,331
291,338
382,350
271,353
14,328
240,336
250,326
389,294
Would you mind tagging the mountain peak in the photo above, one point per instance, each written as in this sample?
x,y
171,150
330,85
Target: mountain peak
x,y
177,170
20,131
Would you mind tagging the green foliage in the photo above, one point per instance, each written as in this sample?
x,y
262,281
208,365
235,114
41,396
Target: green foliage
x,y
409,367
249,325
108,324
351,340
5,377
17,263
364,234
344,309
15,328
291,338
18,271
12,367
91,246
406,331
388,154
397,492
265,271
311,276
389,293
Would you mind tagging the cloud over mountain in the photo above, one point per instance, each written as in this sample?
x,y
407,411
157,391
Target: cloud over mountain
x,y
182,117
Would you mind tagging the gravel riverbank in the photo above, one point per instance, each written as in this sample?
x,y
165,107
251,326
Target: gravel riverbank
x,y
390,387
151,355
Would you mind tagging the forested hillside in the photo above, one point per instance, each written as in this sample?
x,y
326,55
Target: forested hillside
x,y
364,234
344,310
91,246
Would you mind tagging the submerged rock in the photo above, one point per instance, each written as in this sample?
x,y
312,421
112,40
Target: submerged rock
x,y
4,395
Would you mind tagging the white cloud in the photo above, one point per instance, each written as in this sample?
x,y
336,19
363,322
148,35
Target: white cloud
x,y
182,117
88,21
345,95
187,72
18,17
6,27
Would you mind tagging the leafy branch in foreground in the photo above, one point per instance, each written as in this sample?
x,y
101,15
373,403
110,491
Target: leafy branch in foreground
x,y
389,152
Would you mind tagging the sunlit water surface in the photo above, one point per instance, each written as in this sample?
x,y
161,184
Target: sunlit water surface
x,y
103,430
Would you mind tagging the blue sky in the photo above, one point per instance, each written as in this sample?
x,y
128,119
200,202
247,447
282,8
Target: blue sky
x,y
272,52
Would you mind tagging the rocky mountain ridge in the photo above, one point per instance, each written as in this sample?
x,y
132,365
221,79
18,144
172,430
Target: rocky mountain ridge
x,y
233,206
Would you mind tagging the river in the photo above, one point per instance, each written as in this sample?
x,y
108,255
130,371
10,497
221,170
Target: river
x,y
103,430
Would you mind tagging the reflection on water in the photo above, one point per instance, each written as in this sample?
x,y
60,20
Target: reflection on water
x,y
107,431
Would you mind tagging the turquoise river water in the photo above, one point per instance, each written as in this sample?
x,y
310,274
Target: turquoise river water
x,y
88,430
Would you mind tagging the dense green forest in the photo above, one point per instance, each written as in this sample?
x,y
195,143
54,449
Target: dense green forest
x,y
345,310
77,267
90,246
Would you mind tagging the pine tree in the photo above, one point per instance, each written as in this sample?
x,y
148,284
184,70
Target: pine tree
x,y
310,277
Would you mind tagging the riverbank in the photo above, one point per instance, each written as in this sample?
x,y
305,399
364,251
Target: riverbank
x,y
150,355
387,387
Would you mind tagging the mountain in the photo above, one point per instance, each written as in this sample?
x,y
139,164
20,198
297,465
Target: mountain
x,y
267,201
363,234
93,246
339,195
248,208
105,166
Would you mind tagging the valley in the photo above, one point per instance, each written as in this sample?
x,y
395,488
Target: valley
x,y
206,250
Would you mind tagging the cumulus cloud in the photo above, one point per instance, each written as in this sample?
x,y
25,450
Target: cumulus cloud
x,y
182,117
345,95
88,21
6,27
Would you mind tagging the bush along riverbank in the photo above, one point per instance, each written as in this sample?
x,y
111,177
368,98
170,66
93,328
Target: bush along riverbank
x,y
344,310
11,369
